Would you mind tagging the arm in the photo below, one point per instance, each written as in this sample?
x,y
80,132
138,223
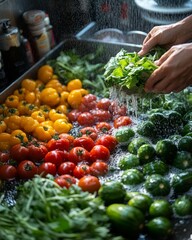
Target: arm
x,y
168,35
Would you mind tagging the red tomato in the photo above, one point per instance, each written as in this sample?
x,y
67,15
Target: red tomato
x,y
101,115
117,110
89,183
67,136
37,151
122,121
60,144
7,172
64,154
85,119
104,104
99,168
83,108
108,141
47,168
62,182
70,179
19,152
81,170
89,132
99,152
73,115
103,127
4,157
89,101
66,168
54,157
85,142
27,169
79,154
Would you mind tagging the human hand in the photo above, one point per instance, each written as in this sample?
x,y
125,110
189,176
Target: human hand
x,y
168,35
174,72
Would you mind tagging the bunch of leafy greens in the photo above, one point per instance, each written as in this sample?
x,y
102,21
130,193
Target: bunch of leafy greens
x,y
71,65
45,211
130,71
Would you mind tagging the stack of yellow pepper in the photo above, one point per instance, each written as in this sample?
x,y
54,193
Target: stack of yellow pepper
x,y
38,108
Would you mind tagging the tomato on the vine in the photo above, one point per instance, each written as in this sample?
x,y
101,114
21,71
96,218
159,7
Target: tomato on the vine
x,y
103,103
47,168
66,168
101,115
89,132
108,141
85,142
60,144
8,172
122,121
54,157
79,154
103,127
81,170
99,168
19,152
4,157
89,183
99,152
27,169
85,119
37,151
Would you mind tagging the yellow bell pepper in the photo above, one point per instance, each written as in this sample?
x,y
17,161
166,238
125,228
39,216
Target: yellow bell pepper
x,y
30,97
3,108
54,83
38,115
28,124
3,126
18,136
74,98
13,122
45,109
28,84
62,109
50,97
5,141
74,84
22,107
20,93
62,126
44,133
54,115
11,111
12,101
31,108
63,98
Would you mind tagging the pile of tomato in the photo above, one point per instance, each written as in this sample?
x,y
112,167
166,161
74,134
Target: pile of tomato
x,y
72,158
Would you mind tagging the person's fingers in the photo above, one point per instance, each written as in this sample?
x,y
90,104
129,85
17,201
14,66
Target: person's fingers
x,y
153,80
163,58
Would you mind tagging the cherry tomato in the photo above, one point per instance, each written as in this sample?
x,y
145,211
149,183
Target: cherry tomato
x,y
89,101
19,152
108,141
99,152
122,121
81,170
99,168
85,119
101,115
66,168
37,151
70,179
27,169
103,127
67,136
104,104
54,157
4,157
60,144
89,132
89,183
85,142
62,182
8,172
47,168
73,115
79,154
